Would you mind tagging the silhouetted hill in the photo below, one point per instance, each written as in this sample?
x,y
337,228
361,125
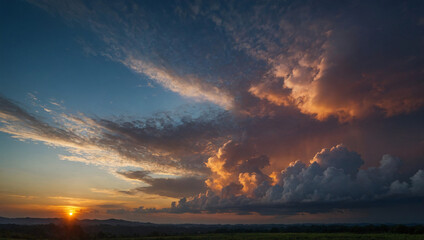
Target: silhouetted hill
x,y
30,221
115,222
84,222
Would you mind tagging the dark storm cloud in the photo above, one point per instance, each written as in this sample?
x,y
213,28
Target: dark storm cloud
x,y
348,59
374,60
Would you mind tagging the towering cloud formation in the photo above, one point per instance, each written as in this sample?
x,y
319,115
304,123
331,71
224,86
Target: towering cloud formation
x,y
235,169
333,180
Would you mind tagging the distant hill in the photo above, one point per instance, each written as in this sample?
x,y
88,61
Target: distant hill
x,y
84,222
30,221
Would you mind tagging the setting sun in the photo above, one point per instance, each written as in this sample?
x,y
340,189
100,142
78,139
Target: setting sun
x,y
70,214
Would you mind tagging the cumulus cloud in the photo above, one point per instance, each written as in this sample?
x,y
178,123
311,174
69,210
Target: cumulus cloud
x,y
418,183
332,180
339,157
235,169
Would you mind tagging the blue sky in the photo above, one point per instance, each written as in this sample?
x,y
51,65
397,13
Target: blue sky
x,y
43,56
209,112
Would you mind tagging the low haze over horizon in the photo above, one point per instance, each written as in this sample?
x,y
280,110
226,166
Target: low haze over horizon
x,y
213,111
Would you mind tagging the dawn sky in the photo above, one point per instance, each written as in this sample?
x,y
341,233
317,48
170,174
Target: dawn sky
x,y
213,111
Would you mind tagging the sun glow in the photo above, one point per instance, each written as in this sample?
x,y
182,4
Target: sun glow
x,y
71,213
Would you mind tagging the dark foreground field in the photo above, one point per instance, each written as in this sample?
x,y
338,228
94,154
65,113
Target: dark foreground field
x,y
32,228
279,236
291,236
274,236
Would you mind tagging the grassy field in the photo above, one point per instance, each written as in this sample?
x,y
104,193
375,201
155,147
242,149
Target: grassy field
x,y
281,236
290,236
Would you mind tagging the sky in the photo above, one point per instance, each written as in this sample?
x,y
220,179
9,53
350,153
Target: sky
x,y
213,111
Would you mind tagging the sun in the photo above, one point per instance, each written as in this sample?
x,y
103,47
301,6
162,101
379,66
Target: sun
x,y
71,213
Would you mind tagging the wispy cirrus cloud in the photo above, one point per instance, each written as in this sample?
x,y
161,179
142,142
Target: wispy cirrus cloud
x,y
161,144
138,44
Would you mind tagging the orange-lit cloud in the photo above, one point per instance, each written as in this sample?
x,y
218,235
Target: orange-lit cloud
x,y
236,169
332,180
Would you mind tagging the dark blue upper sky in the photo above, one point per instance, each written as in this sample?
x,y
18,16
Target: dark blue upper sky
x,y
44,56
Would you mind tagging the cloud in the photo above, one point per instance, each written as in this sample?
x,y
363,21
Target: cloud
x,y
236,169
189,86
344,60
186,186
328,183
139,210
418,183
339,157
23,125
162,144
